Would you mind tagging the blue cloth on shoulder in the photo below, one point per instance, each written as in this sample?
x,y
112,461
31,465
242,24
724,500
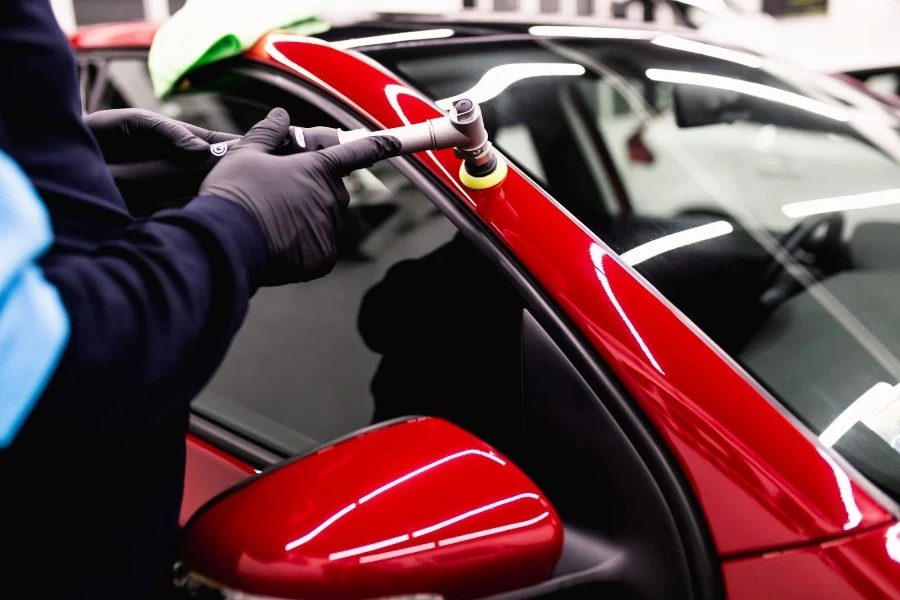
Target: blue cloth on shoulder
x,y
34,326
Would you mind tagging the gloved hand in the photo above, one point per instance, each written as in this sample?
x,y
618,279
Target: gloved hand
x,y
298,199
134,136
127,135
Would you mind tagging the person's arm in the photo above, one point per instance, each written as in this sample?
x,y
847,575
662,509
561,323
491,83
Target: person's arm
x,y
154,303
132,136
148,329
44,131
153,311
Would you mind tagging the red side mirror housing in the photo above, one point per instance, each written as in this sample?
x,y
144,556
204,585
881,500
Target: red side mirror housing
x,y
418,506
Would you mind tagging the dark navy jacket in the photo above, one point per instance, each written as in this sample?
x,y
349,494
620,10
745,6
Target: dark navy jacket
x,y
91,487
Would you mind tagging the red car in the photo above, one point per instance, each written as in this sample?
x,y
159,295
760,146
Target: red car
x,y
676,399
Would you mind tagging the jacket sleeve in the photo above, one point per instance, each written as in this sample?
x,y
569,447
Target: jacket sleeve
x,y
153,304
152,315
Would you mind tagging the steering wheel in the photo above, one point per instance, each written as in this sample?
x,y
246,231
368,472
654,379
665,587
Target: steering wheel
x,y
815,241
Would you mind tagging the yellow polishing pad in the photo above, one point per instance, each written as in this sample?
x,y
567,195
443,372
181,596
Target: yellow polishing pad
x,y
488,181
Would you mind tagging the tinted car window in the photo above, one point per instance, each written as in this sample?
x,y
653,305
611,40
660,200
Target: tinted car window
x,y
760,199
391,332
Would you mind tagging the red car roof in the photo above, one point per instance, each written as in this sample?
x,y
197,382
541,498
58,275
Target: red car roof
x,y
133,34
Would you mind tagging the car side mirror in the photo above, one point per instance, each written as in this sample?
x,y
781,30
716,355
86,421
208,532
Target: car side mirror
x,y
417,506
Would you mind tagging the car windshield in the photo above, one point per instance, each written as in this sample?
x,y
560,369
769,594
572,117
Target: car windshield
x,y
760,199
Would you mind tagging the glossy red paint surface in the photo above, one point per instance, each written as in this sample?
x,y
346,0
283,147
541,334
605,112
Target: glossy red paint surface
x,y
862,566
136,34
208,471
762,483
420,506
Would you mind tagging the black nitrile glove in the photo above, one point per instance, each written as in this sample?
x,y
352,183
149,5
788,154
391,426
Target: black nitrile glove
x,y
127,135
132,136
298,199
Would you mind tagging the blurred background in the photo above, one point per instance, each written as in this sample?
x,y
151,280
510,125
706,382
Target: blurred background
x,y
827,35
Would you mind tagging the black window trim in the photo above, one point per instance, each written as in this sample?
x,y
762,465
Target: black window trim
x,y
95,94
242,448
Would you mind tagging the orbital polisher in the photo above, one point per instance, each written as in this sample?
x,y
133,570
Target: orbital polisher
x,y
462,129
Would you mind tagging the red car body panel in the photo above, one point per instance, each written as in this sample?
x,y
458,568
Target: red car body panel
x,y
770,495
762,483
480,526
207,472
860,566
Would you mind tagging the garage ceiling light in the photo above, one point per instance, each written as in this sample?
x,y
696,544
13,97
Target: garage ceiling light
x,y
757,90
677,43
670,242
497,79
845,490
393,38
597,256
876,399
841,203
591,32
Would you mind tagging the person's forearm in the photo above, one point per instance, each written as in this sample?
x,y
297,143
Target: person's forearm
x,y
152,317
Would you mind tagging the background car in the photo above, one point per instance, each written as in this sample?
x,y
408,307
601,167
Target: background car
x,y
693,379
884,79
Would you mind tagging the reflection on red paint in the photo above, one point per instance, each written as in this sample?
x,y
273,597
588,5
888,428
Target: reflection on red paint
x,y
472,513
892,542
485,532
597,256
302,540
432,528
854,516
857,567
396,553
429,466
420,505
368,547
